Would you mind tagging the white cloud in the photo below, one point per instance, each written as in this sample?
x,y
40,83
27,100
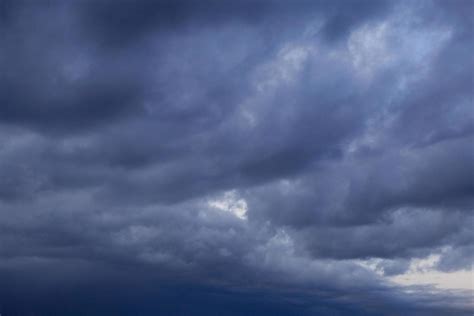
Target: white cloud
x,y
230,202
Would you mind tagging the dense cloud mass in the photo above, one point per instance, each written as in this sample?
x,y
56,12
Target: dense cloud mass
x,y
234,157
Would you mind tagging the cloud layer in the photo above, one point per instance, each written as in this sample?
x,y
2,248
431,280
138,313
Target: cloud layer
x,y
234,158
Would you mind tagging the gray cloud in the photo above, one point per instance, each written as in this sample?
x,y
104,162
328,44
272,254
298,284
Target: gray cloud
x,y
131,134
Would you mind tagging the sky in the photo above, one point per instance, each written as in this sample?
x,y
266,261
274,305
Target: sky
x,y
223,157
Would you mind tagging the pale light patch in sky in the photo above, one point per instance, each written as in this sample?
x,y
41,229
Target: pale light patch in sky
x,y
230,202
442,280
423,272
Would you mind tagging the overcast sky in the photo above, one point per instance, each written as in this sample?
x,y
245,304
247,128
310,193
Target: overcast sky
x,y
223,157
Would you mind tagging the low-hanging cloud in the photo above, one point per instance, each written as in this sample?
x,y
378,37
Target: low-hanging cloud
x,y
234,157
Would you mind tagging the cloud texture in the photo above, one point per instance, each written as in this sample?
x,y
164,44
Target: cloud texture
x,y
234,157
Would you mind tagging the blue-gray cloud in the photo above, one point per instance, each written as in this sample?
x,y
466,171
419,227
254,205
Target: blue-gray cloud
x,y
132,133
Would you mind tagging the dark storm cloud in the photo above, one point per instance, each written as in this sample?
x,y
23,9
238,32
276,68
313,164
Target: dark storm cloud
x,y
58,75
122,21
132,133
